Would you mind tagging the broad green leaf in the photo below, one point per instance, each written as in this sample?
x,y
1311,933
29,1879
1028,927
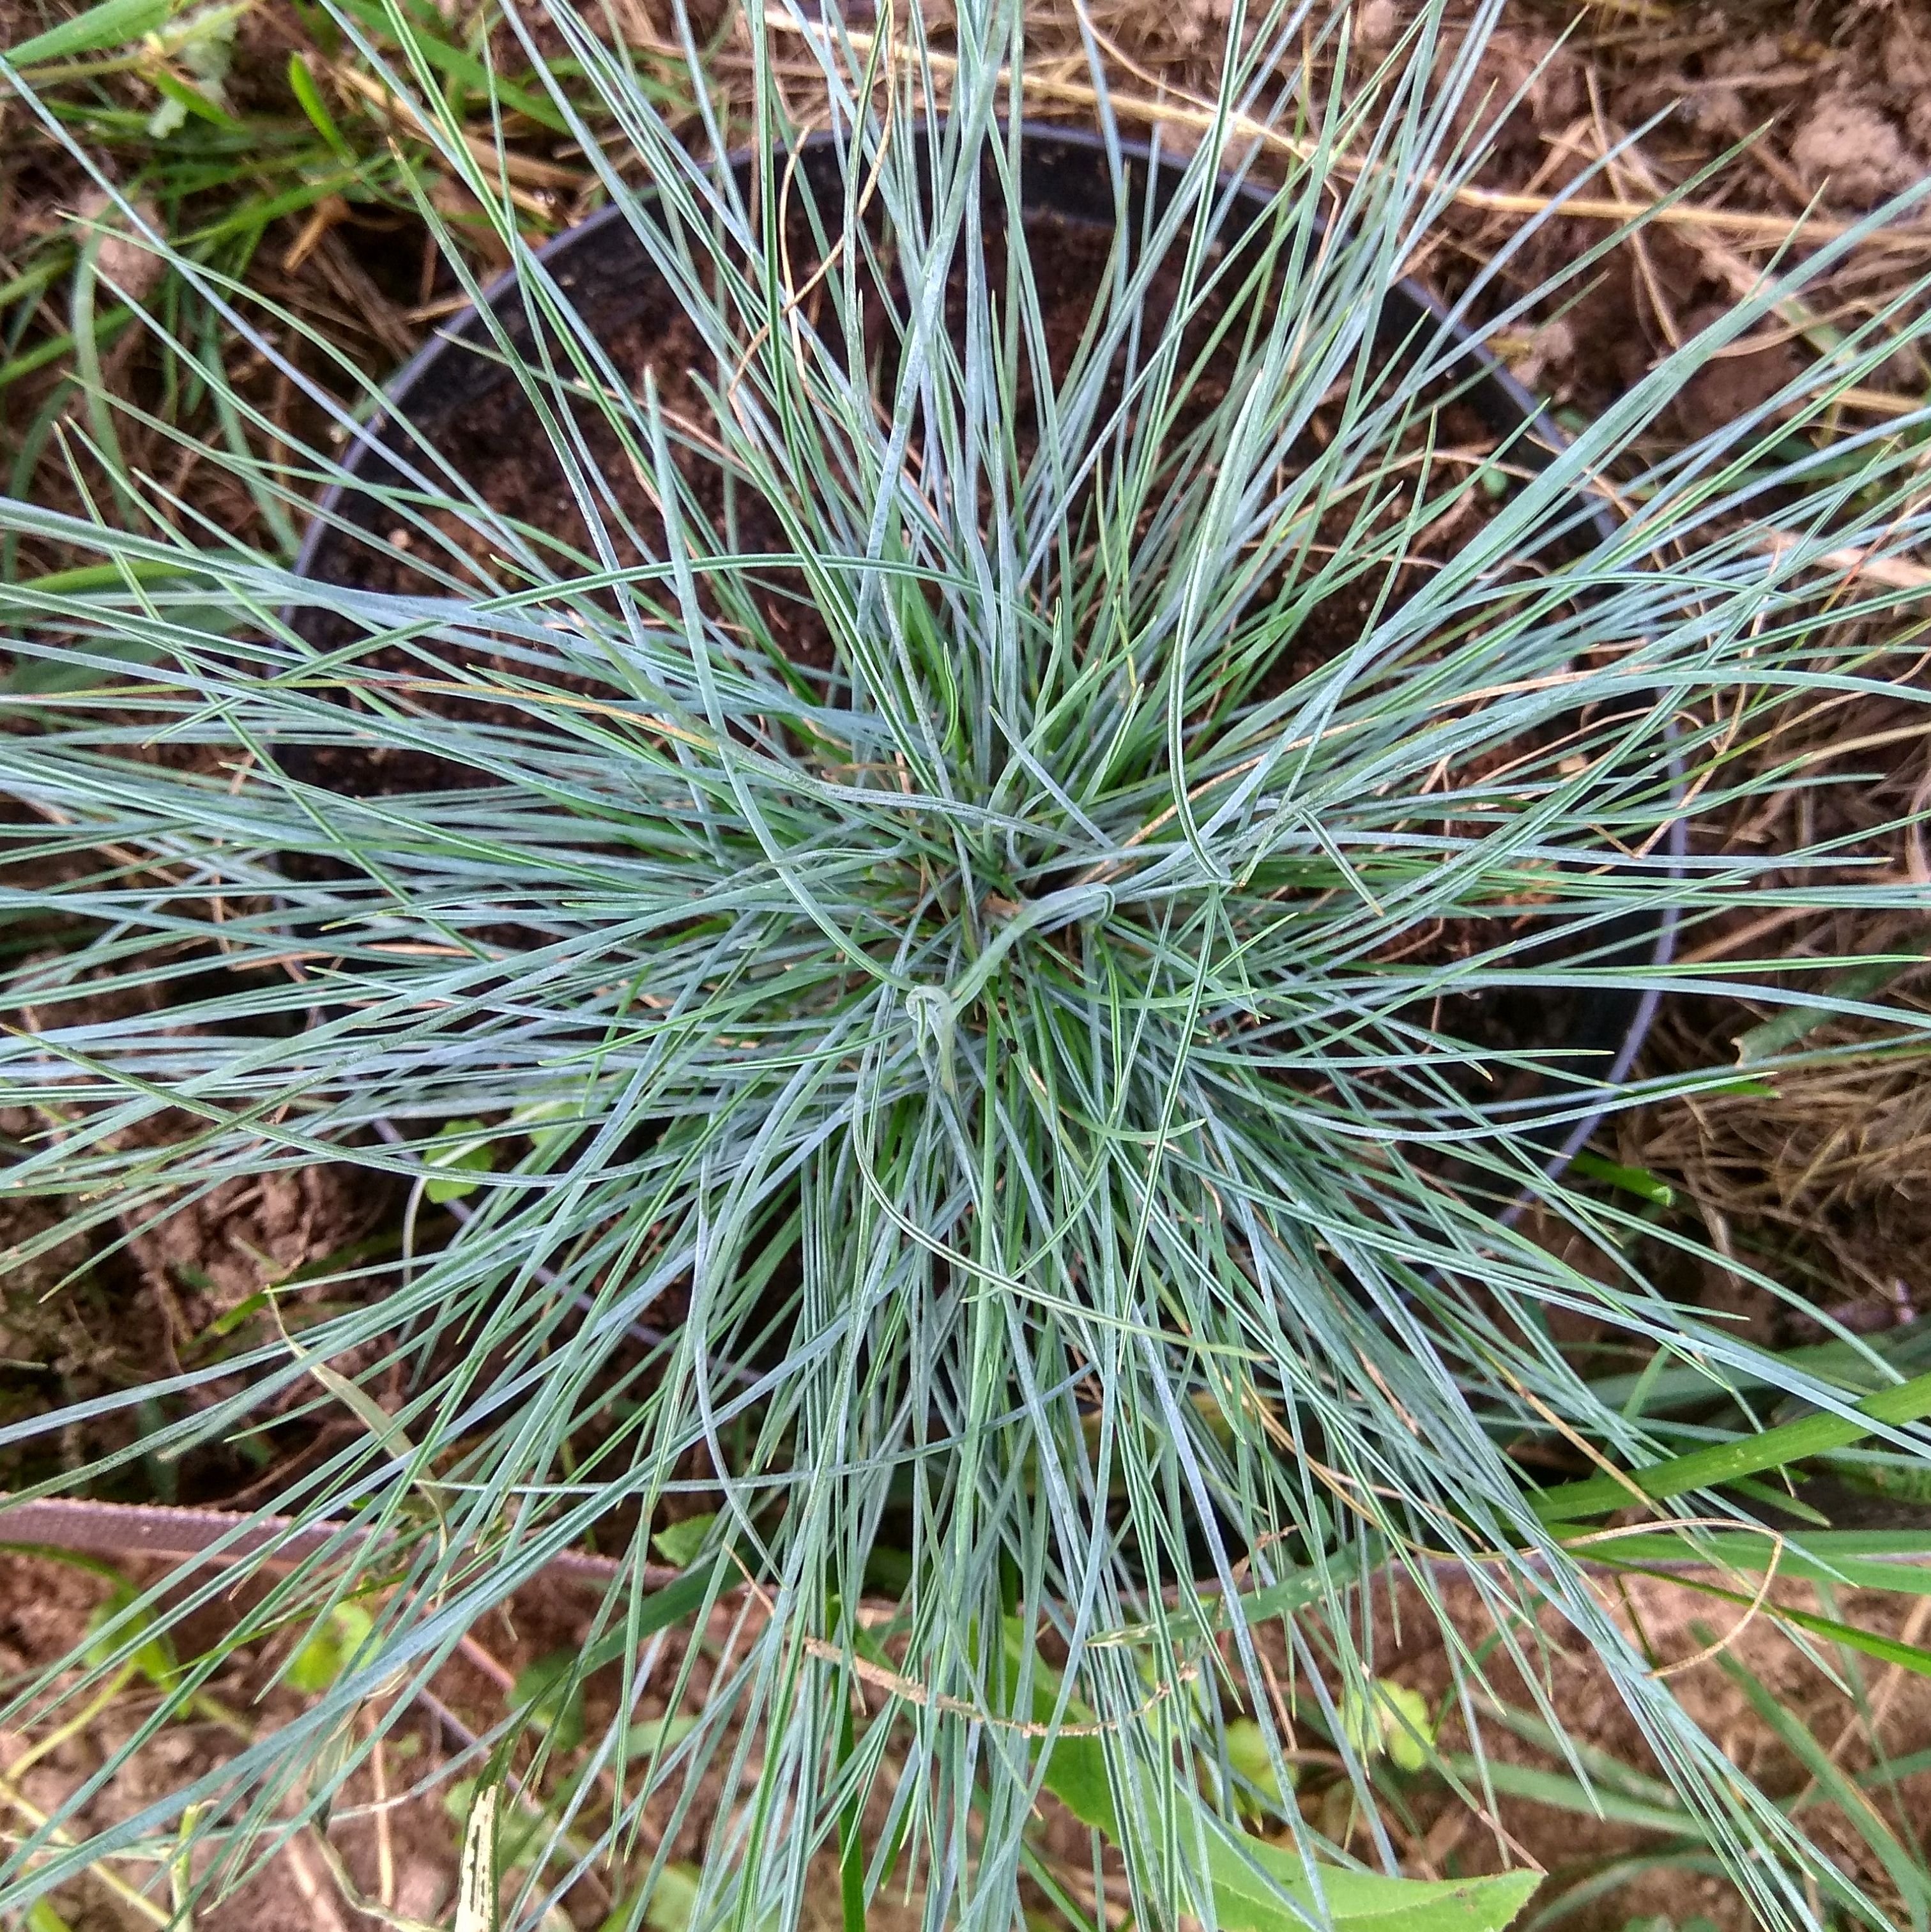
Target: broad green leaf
x,y
1879,1473
1904,1870
204,43
1391,1720
178,100
1669,1383
98,576
111,24
330,1651
1858,1559
1794,1024
154,1658
673,1903
1075,1774
459,1149
657,1611
545,1140
37,676
1247,1754
681,1544
180,1865
457,66
308,97
649,1735
1075,1770
672,1906
551,1699
1911,1657
1564,1793
1352,1901
376,1419
1279,1600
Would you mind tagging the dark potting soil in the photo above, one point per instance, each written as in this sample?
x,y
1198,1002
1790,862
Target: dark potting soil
x,y
499,445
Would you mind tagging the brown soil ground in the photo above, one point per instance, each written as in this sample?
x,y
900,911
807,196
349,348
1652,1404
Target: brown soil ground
x,y
1822,1181
391,1844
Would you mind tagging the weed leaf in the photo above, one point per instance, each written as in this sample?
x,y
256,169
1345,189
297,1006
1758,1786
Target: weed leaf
x,y
1246,1898
111,24
324,1657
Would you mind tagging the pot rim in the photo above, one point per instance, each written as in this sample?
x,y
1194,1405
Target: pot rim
x,y
1521,405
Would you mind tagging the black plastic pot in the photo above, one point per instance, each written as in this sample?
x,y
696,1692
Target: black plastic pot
x,y
606,271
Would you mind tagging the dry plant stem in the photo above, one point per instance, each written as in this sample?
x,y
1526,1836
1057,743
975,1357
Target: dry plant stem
x,y
499,1674
75,1725
1730,943
385,1853
525,178
1886,1694
1726,267
314,1895
1759,1600
123,1893
350,1895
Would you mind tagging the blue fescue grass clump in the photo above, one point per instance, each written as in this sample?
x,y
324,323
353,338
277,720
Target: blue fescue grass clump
x,y
994,1077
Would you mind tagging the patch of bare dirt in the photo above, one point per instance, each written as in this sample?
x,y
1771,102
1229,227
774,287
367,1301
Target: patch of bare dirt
x,y
1770,115
1701,1645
